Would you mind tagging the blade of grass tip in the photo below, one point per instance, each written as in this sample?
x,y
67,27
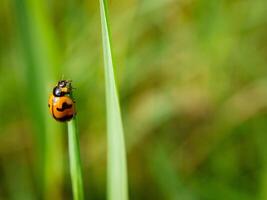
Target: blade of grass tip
x,y
75,160
117,169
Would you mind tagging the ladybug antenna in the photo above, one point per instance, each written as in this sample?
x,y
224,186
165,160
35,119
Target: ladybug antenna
x,y
62,77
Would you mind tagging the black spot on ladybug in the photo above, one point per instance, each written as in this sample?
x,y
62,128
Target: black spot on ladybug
x,y
64,107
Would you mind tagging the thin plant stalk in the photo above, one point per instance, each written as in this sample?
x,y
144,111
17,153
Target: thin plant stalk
x,y
117,183
75,160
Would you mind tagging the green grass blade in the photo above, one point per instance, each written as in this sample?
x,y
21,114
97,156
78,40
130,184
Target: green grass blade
x,y
75,160
41,58
117,169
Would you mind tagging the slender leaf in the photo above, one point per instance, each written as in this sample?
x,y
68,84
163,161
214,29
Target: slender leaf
x,y
39,48
117,169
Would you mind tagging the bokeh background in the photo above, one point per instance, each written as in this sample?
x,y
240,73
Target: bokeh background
x,y
192,78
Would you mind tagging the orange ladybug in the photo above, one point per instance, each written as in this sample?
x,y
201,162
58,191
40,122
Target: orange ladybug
x,y
60,103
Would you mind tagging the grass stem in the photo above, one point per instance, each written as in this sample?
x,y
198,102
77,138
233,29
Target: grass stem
x,y
75,160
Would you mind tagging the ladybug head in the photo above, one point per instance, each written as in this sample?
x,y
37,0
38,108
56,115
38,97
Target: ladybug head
x,y
64,83
63,87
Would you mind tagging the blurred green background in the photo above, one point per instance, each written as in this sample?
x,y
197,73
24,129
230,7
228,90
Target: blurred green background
x,y
192,77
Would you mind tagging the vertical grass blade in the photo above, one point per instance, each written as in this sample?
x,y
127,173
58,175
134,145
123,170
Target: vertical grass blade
x,y
117,169
75,160
41,58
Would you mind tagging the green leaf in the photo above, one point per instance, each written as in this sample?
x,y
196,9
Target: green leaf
x,y
117,169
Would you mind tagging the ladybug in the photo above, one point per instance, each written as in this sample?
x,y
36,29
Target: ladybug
x,y
60,103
